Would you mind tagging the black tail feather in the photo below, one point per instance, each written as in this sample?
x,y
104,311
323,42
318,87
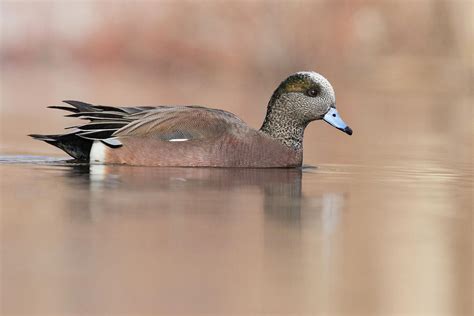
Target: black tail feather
x,y
81,106
96,115
46,138
104,121
65,108
72,144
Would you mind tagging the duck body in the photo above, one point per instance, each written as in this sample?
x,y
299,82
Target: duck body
x,y
196,136
182,136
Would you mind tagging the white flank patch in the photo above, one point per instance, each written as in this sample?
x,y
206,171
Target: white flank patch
x,y
112,142
97,154
178,140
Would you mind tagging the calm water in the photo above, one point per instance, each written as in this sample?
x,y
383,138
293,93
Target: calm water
x,y
332,239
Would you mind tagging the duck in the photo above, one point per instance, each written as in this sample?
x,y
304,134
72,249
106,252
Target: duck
x,y
197,136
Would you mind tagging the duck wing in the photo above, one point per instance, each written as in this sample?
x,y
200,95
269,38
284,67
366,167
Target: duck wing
x,y
181,123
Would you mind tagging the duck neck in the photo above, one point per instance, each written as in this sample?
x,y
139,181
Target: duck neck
x,y
282,126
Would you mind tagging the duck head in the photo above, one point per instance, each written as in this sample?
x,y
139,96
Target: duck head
x,y
301,98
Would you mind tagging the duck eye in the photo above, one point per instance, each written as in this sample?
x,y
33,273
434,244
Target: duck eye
x,y
312,92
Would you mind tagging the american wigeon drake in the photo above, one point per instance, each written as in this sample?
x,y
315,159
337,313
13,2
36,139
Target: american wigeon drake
x,y
195,136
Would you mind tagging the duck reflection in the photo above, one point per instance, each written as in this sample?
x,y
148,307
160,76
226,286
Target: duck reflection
x,y
145,189
199,235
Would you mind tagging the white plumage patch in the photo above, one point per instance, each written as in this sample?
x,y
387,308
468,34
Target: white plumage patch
x,y
321,80
113,142
178,140
97,154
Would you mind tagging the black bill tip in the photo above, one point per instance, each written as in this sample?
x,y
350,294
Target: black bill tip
x,y
348,130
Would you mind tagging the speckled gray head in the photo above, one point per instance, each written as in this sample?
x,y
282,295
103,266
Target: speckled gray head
x,y
301,98
307,96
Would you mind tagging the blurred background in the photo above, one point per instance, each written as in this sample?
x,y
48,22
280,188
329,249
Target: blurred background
x,y
382,226
402,70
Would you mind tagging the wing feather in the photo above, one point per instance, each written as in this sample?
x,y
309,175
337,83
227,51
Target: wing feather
x,y
162,122
181,122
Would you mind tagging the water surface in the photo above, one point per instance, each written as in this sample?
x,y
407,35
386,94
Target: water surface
x,y
332,239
